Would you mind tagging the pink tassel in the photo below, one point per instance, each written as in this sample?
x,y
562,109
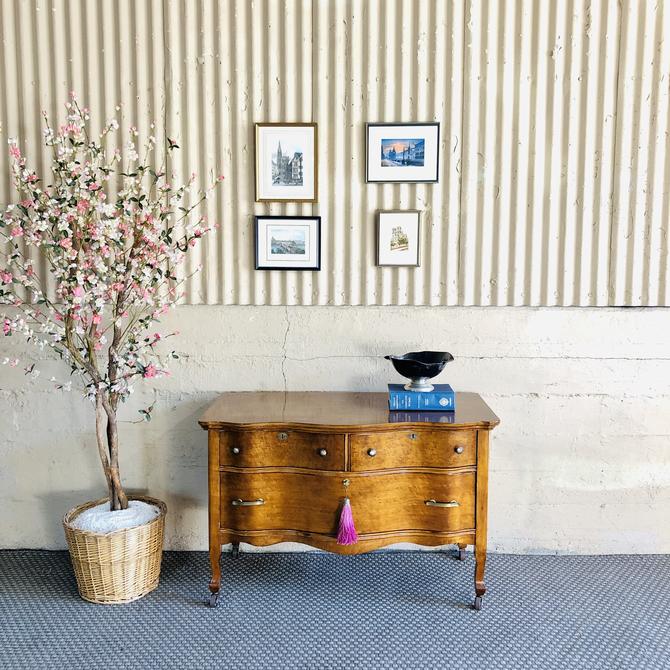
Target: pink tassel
x,y
347,531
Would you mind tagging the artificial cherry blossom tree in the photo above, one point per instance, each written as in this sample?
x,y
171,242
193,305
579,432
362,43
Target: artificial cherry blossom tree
x,y
111,228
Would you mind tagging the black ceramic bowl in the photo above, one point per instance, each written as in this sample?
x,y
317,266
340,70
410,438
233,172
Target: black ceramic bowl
x,y
420,366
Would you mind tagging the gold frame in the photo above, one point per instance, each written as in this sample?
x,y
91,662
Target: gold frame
x,y
258,126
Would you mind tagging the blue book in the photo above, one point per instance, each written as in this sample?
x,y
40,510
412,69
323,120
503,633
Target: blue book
x,y
441,398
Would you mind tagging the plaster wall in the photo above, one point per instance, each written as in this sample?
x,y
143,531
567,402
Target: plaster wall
x,y
580,462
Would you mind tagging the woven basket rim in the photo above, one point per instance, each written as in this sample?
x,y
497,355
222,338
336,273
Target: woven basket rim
x,y
72,514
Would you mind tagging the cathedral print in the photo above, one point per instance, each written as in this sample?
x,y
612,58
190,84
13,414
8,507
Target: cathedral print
x,y
286,169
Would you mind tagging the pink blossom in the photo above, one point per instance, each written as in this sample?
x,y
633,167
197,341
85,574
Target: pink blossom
x,y
82,206
150,371
66,243
16,231
32,178
96,319
14,151
7,327
94,186
78,292
5,277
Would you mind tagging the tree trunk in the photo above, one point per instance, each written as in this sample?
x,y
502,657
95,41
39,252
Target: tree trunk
x,y
117,496
103,445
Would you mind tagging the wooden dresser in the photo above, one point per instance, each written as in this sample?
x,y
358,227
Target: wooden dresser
x,y
281,464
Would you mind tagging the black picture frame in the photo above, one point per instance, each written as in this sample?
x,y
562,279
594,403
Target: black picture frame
x,y
370,180
258,261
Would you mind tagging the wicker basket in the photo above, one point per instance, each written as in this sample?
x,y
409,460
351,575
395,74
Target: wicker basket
x,y
116,567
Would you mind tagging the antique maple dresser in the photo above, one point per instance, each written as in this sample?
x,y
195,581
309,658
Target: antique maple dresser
x,y
282,464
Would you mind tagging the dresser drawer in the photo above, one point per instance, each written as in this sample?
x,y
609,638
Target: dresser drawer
x,y
380,503
413,448
279,448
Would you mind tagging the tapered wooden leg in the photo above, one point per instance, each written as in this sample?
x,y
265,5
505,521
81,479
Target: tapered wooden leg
x,y
481,515
235,549
461,551
215,581
214,503
480,567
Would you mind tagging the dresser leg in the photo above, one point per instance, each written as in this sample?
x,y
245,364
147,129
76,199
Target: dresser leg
x,y
480,566
461,551
235,550
215,581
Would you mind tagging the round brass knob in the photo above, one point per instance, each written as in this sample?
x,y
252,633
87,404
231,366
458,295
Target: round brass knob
x,y
235,450
372,452
322,452
459,450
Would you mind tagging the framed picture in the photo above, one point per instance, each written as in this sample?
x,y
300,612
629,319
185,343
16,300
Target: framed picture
x,y
288,242
286,164
403,152
398,238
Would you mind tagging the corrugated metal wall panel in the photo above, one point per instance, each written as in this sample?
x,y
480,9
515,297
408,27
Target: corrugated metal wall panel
x,y
555,149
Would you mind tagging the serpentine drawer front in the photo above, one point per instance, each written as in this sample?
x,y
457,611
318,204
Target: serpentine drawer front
x,y
306,502
284,466
281,448
413,448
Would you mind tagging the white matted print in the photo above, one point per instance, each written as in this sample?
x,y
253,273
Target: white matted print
x,y
403,152
286,162
398,238
288,242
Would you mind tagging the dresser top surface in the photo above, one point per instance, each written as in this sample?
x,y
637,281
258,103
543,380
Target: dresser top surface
x,y
337,409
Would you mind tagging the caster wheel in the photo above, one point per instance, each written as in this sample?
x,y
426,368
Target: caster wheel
x,y
478,603
235,551
461,554
213,600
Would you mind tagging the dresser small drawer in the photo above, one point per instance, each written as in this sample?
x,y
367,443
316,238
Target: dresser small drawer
x,y
380,503
413,448
281,448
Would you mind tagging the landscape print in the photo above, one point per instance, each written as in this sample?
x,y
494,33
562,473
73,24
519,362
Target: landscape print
x,y
403,152
287,240
287,165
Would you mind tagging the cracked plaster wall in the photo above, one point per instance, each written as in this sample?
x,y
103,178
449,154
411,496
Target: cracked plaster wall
x,y
580,462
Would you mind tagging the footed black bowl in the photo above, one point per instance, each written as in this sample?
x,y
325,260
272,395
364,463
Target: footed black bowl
x,y
420,366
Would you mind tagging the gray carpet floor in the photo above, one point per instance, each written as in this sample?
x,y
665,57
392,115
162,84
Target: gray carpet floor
x,y
379,610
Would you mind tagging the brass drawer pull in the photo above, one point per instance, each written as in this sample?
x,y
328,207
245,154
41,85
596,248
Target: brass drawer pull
x,y
247,503
372,452
235,450
323,452
459,450
282,436
438,503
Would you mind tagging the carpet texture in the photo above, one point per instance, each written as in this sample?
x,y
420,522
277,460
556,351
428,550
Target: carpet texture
x,y
379,610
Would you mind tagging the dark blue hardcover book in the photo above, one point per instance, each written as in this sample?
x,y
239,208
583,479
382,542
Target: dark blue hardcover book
x,y
441,398
411,416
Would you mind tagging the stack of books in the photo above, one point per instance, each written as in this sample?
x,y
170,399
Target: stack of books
x,y
442,398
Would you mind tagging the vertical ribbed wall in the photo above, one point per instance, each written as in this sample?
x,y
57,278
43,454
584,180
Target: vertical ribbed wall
x,y
555,158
